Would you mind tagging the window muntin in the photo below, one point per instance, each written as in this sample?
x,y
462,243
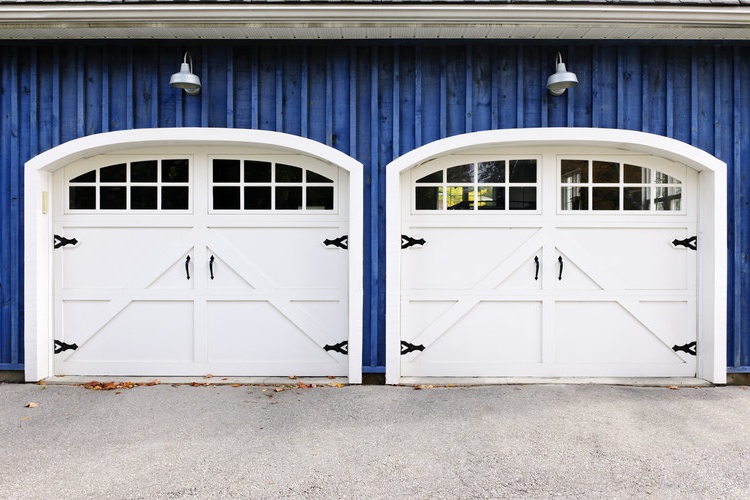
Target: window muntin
x,y
597,185
250,185
162,184
498,184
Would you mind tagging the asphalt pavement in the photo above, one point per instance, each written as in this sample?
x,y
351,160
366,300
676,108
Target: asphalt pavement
x,y
333,441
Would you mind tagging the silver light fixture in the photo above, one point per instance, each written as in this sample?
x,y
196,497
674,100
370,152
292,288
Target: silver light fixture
x,y
185,79
562,79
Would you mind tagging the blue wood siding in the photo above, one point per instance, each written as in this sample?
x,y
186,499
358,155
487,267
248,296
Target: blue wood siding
x,y
373,101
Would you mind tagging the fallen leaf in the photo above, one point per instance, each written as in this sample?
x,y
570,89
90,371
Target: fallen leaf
x,y
25,418
208,375
330,377
118,392
41,382
292,377
278,389
302,385
194,384
235,385
417,388
225,378
672,387
32,405
154,382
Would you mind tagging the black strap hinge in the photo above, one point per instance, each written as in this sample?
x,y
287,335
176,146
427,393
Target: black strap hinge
x,y
408,241
690,243
61,346
61,241
406,347
688,348
342,347
341,242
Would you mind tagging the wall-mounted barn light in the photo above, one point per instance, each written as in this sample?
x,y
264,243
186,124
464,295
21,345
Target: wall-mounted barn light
x,y
562,79
185,79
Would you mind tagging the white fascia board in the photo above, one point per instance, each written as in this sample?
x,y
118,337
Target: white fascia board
x,y
427,20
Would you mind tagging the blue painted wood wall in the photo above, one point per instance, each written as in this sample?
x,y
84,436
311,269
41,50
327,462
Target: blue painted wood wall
x,y
373,101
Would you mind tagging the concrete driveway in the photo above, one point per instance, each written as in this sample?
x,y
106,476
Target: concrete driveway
x,y
510,441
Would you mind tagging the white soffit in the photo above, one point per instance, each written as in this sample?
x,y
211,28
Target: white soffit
x,y
24,21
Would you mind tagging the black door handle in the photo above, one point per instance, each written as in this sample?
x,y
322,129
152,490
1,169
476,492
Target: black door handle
x,y
559,259
536,261
211,266
187,267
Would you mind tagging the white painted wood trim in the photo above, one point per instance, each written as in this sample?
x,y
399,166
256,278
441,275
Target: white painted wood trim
x,y
38,225
712,230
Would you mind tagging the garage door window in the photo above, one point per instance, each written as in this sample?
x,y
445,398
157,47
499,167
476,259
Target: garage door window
x,y
503,184
137,185
262,185
594,185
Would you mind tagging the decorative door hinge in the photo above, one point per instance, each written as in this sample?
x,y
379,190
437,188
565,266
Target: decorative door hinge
x,y
690,243
61,346
61,241
688,348
406,347
408,241
341,242
342,347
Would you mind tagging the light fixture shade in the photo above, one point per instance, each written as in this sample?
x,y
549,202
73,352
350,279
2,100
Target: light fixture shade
x,y
185,79
562,79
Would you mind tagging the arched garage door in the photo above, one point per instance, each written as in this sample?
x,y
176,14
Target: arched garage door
x,y
545,261
201,259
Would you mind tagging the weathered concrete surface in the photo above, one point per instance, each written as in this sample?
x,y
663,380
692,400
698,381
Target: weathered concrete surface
x,y
532,441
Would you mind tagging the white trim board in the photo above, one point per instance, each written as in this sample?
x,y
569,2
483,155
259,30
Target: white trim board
x,y
39,236
712,222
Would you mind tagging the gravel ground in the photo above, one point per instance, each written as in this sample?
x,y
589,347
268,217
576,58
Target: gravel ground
x,y
514,441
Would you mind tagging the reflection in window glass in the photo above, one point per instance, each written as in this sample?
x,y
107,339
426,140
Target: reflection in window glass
x,y
82,197
605,198
257,171
575,197
662,178
226,198
574,171
522,198
491,172
113,173
429,198
605,172
113,197
320,198
460,198
258,197
226,170
491,198
288,173
636,198
288,198
433,177
461,173
144,171
522,171
175,171
636,175
668,198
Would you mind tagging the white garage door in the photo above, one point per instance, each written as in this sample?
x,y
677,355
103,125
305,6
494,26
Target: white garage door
x,y
548,263
206,262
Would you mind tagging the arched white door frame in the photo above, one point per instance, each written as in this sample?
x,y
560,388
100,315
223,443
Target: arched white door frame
x,y
712,223
38,237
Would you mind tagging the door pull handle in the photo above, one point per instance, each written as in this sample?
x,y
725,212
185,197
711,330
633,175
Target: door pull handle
x,y
560,260
211,266
187,267
536,261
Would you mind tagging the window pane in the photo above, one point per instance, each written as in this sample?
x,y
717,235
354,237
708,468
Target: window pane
x,y
574,171
662,178
522,198
636,198
668,198
605,172
491,198
113,173
320,198
461,173
605,198
257,171
258,197
574,198
143,171
491,171
636,175
433,177
82,198
87,177
175,198
175,171
288,198
143,197
429,198
522,170
226,198
227,171
314,177
460,198
112,198
288,173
